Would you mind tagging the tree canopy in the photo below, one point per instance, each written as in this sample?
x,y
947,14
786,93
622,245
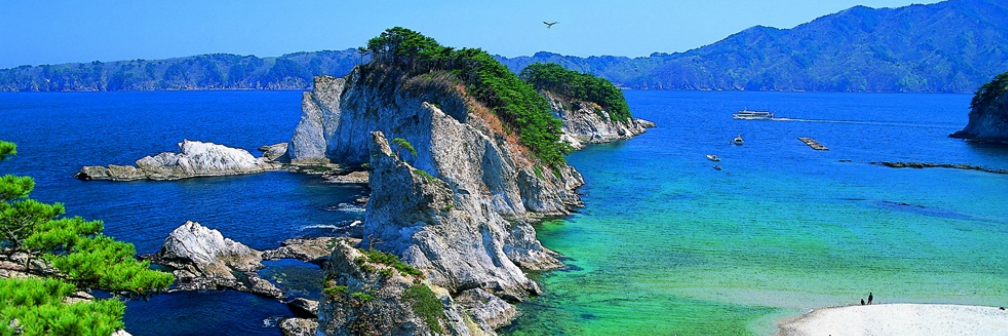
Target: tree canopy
x,y
990,91
81,257
586,87
519,106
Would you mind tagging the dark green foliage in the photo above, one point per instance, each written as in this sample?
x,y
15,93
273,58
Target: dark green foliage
x,y
585,87
390,259
516,103
401,143
38,306
990,91
7,148
425,305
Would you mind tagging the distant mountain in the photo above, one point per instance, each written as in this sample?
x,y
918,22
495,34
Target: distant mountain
x,y
952,46
203,72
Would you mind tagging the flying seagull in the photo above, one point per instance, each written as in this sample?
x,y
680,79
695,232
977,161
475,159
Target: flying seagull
x,y
550,24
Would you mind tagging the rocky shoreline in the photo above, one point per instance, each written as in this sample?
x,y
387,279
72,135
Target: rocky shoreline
x,y
988,117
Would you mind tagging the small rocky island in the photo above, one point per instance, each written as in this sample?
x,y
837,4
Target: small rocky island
x,y
463,156
195,159
988,118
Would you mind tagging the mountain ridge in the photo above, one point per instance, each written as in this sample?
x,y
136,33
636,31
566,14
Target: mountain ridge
x,y
948,47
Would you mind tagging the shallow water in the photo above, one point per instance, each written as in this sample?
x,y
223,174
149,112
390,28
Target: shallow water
x,y
667,245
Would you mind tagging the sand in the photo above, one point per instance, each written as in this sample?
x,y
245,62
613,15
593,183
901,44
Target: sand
x,y
899,319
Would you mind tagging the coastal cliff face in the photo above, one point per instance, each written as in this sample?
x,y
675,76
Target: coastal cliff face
x,y
453,138
458,210
988,118
587,123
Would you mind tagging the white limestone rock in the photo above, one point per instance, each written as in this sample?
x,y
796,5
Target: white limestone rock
x,y
195,159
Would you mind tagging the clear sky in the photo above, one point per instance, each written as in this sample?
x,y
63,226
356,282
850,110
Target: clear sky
x,y
53,32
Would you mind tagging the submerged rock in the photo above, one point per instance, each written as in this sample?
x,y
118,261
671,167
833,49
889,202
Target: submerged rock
x,y
313,250
195,159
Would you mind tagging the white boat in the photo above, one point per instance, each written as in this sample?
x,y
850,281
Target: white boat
x,y
753,115
738,140
713,157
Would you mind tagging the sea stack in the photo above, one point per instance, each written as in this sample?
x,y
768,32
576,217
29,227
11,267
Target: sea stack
x,y
988,118
457,175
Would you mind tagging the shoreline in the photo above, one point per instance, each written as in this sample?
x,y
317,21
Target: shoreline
x,y
897,319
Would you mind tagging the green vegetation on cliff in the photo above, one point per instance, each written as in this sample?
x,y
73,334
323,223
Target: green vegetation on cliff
x,y
585,87
64,254
989,92
518,105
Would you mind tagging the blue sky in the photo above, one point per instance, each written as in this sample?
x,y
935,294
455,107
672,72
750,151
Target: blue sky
x,y
52,32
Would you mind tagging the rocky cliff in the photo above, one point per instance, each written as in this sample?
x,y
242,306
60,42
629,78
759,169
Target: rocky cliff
x,y
459,209
462,157
195,159
988,118
587,123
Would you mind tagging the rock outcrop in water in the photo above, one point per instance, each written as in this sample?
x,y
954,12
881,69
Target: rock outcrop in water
x,y
195,159
585,123
444,210
202,258
456,203
988,118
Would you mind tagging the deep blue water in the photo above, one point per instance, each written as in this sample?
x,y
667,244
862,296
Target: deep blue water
x,y
58,133
700,222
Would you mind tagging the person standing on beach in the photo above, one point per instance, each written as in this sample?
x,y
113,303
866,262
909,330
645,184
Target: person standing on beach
x,y
869,298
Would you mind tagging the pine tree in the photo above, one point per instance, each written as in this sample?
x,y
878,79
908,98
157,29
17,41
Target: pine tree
x,y
82,257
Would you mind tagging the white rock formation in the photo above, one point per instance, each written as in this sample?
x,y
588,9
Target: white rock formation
x,y
585,124
195,159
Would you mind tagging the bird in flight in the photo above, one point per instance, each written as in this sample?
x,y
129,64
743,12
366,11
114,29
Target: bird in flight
x,y
550,24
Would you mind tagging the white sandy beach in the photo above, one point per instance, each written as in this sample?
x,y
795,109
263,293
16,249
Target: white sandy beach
x,y
898,319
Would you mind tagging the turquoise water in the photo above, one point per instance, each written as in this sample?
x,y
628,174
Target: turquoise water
x,y
667,245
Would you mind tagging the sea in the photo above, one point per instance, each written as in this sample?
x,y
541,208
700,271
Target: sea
x,y
665,245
